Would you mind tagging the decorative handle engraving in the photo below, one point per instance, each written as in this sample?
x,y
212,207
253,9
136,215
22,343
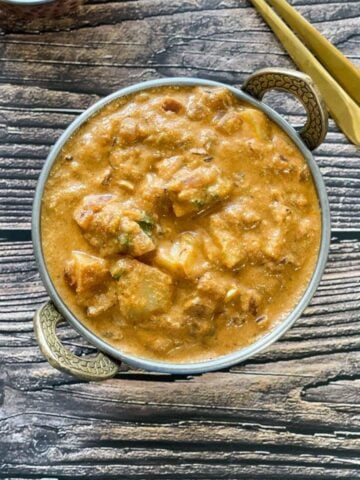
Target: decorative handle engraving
x,y
94,369
300,85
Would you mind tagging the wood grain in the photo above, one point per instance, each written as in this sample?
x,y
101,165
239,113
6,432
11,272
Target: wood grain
x,y
290,412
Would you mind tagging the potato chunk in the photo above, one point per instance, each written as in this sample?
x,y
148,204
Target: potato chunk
x,y
184,256
168,167
84,272
115,227
89,206
194,190
153,193
130,131
280,212
234,231
274,246
243,213
256,125
207,102
216,284
89,276
130,164
142,290
230,123
198,314
227,237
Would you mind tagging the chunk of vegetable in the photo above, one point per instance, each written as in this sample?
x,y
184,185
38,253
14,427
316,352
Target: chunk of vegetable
x,y
90,278
255,125
281,213
130,131
218,98
207,102
167,167
100,302
230,123
193,190
274,244
84,272
227,237
170,104
129,164
216,284
115,227
243,213
199,313
279,164
184,256
89,206
142,290
153,193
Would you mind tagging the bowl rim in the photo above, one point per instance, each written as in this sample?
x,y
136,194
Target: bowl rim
x,y
216,363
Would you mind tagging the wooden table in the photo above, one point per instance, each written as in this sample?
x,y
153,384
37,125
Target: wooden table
x,y
291,412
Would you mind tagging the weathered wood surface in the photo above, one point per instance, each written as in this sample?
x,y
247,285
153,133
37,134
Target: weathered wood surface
x,y
292,411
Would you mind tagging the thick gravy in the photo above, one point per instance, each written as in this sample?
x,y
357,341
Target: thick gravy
x,y
180,224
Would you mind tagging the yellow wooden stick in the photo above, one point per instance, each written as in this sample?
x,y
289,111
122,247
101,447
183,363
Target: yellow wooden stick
x,y
340,67
342,107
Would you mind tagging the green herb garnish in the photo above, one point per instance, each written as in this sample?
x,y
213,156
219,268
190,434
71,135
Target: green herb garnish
x,y
214,197
146,224
125,241
199,204
118,269
116,275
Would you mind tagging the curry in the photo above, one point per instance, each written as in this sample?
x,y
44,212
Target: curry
x,y
180,224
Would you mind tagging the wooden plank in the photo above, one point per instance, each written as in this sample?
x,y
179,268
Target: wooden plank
x,y
214,43
261,417
95,13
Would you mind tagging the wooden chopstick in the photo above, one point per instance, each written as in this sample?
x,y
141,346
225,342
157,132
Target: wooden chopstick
x,y
340,67
342,107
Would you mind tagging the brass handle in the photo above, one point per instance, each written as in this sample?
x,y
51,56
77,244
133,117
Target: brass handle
x,y
96,368
300,85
